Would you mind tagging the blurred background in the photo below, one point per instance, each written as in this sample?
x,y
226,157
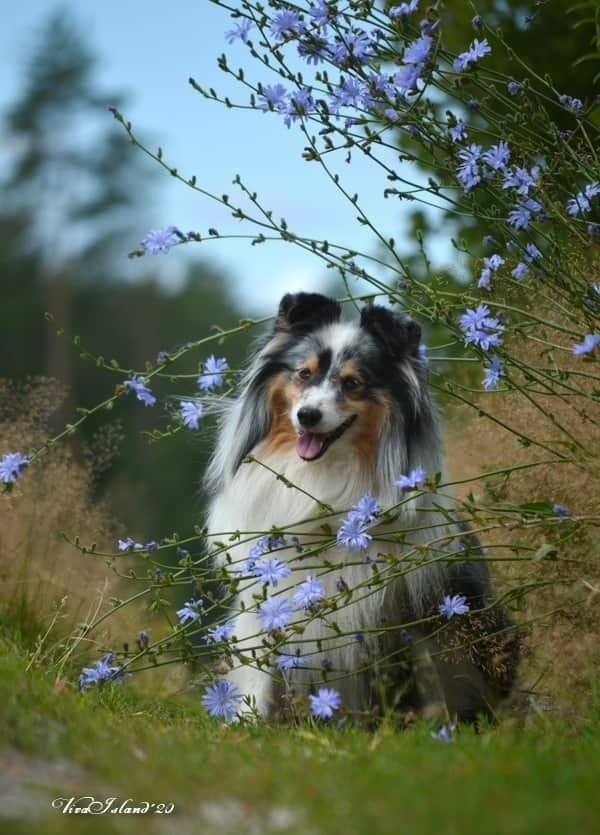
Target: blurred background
x,y
77,197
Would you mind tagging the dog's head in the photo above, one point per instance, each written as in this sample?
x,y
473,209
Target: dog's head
x,y
323,390
336,384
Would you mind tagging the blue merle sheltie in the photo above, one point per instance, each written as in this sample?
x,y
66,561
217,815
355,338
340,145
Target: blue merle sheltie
x,y
329,411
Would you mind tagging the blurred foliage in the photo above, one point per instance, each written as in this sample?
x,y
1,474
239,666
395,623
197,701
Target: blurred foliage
x,y
73,175
556,39
552,37
157,482
72,195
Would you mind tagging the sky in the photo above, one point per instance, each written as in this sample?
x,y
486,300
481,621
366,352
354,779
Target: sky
x,y
149,50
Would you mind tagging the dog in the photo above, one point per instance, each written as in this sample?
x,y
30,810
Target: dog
x,y
327,412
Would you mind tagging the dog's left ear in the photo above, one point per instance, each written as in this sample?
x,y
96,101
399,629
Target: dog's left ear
x,y
300,313
398,335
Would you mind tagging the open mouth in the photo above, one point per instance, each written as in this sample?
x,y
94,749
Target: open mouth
x,y
310,445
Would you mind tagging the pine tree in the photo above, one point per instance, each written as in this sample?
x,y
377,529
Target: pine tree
x,y
75,177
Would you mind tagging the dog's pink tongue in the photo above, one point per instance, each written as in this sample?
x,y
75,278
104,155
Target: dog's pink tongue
x,y
308,445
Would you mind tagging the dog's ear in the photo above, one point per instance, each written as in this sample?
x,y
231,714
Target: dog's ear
x,y
397,334
300,313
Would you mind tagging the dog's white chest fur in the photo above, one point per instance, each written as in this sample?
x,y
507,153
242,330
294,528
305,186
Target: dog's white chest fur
x,y
253,502
256,497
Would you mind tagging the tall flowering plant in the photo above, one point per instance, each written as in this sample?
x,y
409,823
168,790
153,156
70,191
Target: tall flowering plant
x,y
356,77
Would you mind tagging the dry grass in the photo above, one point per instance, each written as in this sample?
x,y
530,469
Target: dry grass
x,y
562,650
47,588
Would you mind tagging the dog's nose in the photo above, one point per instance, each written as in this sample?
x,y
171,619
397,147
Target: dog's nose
x,y
309,416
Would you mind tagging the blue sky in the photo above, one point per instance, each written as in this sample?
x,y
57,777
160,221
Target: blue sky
x,y
149,50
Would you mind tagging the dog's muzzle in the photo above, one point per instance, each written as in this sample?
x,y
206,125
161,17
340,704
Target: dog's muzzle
x,y
312,445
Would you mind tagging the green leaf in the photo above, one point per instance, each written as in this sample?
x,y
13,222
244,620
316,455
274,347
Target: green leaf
x,y
543,508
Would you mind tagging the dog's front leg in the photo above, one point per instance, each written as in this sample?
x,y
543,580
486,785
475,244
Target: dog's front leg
x,y
254,681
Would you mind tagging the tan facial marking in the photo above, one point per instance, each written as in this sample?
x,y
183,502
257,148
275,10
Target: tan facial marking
x,y
368,427
282,435
349,373
311,364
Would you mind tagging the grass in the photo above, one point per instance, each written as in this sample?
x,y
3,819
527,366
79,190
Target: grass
x,y
540,776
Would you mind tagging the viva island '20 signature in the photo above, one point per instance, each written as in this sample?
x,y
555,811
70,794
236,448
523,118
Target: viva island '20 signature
x,y
88,805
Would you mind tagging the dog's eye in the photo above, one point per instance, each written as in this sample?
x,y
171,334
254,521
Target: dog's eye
x,y
350,384
304,373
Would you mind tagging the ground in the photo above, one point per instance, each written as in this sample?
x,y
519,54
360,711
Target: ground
x,y
537,774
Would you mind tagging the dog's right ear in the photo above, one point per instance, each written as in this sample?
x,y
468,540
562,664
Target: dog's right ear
x,y
398,334
300,313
